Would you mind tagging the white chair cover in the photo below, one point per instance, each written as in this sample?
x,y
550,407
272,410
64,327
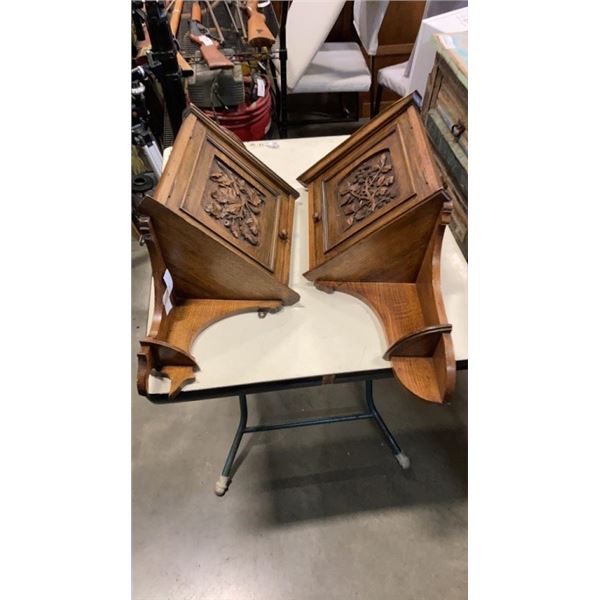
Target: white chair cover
x,y
308,24
368,17
394,78
336,67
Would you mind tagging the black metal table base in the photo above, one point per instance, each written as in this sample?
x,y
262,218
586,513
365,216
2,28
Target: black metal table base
x,y
371,413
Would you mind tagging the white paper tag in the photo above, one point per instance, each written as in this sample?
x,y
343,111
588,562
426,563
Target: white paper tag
x,y
168,291
260,87
205,40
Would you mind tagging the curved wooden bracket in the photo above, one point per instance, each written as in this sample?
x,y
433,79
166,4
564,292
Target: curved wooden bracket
x,y
426,365
421,343
168,353
164,353
413,317
166,349
431,378
376,231
148,237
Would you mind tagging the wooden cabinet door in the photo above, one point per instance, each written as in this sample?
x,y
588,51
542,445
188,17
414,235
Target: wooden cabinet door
x,y
220,188
366,187
382,176
238,205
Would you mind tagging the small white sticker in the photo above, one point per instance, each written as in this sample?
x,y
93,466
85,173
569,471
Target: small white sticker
x,y
206,40
260,87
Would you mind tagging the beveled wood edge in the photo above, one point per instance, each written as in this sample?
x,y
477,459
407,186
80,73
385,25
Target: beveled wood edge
x,y
227,138
396,349
144,368
368,129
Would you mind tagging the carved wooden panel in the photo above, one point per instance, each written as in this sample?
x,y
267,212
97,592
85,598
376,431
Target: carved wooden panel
x,y
238,204
366,189
364,186
234,203
234,207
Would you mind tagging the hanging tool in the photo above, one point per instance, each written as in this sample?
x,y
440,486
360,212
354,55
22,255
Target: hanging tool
x,y
209,48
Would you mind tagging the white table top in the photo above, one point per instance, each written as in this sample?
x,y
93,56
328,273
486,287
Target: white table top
x,y
322,334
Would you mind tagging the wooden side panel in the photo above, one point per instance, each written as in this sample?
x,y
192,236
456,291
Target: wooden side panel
x,y
393,253
429,283
176,174
202,266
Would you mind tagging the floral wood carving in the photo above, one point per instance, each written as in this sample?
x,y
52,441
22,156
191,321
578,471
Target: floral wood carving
x,y
235,204
366,189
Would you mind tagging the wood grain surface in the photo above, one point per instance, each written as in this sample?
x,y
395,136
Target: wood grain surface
x,y
169,350
390,258
219,227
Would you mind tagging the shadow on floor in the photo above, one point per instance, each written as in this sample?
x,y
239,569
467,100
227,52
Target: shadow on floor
x,y
308,482
327,471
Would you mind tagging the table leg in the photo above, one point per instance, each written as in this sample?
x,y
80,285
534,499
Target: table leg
x,y
402,458
224,480
372,413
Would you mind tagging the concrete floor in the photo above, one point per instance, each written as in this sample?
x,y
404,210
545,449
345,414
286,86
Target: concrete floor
x,y
314,513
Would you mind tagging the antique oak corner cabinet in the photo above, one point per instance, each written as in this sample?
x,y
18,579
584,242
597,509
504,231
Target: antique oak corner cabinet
x,y
218,231
377,215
